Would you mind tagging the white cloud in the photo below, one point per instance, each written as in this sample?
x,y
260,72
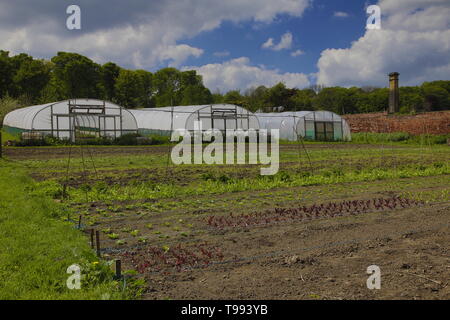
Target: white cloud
x,y
177,54
123,45
341,14
240,74
285,43
414,40
297,53
395,6
268,43
140,34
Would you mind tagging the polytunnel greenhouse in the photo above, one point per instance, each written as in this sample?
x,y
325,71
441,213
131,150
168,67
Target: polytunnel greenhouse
x,y
71,119
162,121
310,125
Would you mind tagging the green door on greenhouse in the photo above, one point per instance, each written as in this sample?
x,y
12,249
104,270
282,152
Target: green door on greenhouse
x,y
324,131
337,131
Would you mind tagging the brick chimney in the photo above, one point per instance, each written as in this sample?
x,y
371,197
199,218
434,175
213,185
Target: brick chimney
x,y
393,92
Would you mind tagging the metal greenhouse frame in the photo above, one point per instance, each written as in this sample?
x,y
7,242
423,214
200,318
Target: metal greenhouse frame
x,y
72,119
162,121
311,125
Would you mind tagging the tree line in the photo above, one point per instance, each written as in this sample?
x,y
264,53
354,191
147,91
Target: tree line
x,y
71,75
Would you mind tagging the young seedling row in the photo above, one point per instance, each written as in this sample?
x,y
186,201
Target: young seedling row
x,y
155,259
304,213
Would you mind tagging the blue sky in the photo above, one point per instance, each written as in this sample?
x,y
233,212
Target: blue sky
x,y
223,40
317,30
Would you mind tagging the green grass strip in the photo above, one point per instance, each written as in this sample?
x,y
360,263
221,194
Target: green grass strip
x,y
281,180
37,247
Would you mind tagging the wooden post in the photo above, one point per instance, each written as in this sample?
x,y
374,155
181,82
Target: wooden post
x,y
118,269
79,222
92,238
97,236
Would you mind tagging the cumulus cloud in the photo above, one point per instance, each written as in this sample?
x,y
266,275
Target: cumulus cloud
x,y
179,53
285,43
240,74
414,40
268,44
140,33
297,53
341,14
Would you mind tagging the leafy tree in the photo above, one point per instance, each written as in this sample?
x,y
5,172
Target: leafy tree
x,y
109,74
70,75
303,99
217,98
317,87
129,89
233,97
145,96
79,75
256,98
7,104
167,84
436,97
31,78
440,83
280,96
335,99
411,99
193,90
6,72
193,95
53,91
379,100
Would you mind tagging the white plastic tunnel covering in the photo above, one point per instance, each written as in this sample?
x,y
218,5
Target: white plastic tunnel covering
x,y
311,125
162,121
65,119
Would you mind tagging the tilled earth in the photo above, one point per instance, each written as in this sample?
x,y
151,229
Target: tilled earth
x,y
324,259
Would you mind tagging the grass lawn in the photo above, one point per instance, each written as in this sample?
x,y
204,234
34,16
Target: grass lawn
x,y
37,246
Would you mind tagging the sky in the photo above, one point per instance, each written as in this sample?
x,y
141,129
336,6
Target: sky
x,y
240,44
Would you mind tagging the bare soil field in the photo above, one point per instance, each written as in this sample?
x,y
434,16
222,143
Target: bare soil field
x,y
324,260
291,241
